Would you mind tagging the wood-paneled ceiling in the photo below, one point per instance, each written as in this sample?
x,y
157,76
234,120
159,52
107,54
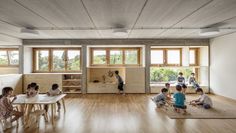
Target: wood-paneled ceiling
x,y
96,19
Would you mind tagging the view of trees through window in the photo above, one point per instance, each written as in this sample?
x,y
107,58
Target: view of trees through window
x,y
131,57
3,58
61,60
163,75
99,57
9,57
115,56
42,60
73,60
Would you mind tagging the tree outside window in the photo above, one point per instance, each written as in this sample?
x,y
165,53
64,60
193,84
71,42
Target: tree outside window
x,y
99,56
131,57
42,60
9,57
116,57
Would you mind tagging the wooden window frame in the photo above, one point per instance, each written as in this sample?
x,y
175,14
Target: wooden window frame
x,y
8,57
196,51
123,49
50,63
165,57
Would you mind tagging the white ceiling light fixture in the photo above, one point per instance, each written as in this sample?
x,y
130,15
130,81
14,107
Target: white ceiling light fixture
x,y
120,32
29,31
209,31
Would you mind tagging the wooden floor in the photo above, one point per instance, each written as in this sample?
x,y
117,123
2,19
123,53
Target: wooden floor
x,y
133,113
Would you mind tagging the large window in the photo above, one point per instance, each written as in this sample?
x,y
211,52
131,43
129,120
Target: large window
x,y
56,60
9,57
166,57
115,56
99,57
169,74
193,56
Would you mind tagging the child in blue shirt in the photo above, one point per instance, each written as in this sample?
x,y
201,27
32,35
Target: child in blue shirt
x,y
179,100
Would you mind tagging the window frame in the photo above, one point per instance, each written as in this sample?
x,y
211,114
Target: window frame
x,y
123,49
50,67
196,50
165,57
8,56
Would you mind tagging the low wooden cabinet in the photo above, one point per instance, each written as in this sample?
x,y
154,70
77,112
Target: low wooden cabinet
x,y
71,83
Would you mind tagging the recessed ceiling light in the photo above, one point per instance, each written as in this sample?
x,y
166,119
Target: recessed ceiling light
x,y
120,32
28,31
209,31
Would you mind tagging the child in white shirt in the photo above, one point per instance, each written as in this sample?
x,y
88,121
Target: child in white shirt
x,y
204,100
55,90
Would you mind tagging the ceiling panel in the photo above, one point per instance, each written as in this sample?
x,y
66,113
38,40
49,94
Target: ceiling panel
x,y
83,34
14,13
109,34
62,13
215,12
110,13
177,33
50,34
164,13
195,34
145,33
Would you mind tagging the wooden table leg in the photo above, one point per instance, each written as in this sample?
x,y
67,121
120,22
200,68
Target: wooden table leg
x,y
28,110
52,114
64,106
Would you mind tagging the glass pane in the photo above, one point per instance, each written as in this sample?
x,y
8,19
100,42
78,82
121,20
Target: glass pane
x,y
58,60
14,57
73,60
131,56
3,58
99,57
173,56
192,57
163,75
42,60
116,57
157,57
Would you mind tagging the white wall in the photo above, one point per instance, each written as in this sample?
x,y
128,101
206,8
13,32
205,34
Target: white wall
x,y
223,65
27,68
7,40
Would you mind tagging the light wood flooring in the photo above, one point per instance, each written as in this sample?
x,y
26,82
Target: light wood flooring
x,y
133,113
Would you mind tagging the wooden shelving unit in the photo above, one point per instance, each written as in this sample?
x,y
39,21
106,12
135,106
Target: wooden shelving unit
x,y
71,83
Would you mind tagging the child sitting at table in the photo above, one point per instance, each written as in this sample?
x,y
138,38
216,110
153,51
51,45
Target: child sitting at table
x,y
179,99
160,99
32,89
55,90
204,100
6,108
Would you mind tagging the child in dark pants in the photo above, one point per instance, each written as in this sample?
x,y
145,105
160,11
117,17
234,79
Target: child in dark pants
x,y
55,90
120,83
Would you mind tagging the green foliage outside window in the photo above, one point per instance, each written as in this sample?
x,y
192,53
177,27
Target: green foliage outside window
x,y
131,57
163,75
116,57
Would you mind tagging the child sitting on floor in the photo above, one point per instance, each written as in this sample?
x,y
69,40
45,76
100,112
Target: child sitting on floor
x,y
160,99
204,100
55,90
6,108
32,90
167,86
179,99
